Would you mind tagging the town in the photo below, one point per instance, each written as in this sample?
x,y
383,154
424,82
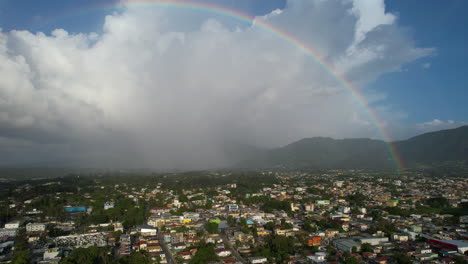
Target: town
x,y
334,216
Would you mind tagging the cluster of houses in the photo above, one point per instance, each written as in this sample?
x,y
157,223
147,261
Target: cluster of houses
x,y
322,218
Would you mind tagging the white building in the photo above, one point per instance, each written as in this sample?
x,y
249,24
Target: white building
x,y
35,227
319,257
345,209
52,253
147,230
223,252
6,232
108,205
374,241
12,225
232,207
258,260
309,207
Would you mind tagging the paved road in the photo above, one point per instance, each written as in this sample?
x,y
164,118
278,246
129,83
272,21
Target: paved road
x,y
233,250
169,257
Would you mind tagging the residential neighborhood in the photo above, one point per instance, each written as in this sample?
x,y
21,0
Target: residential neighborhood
x,y
336,216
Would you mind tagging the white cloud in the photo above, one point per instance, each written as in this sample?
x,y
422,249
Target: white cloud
x,y
159,89
426,65
437,124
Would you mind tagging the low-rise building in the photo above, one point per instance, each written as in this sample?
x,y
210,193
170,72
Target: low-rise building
x,y
35,227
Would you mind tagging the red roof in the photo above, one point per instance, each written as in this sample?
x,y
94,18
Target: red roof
x,y
160,208
448,260
382,258
229,260
222,249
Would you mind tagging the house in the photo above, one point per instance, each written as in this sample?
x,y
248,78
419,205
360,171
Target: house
x,y
12,225
177,238
159,210
108,205
185,255
258,260
223,252
52,254
319,257
147,230
314,241
382,260
232,207
156,222
6,232
178,247
400,237
35,227
261,232
330,233
125,245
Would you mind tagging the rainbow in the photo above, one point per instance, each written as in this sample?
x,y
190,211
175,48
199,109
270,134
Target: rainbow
x,y
225,12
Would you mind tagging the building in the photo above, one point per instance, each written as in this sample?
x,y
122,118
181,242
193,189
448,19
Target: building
x,y
461,246
258,260
314,241
392,203
160,210
147,230
464,219
156,222
7,232
347,245
338,184
309,207
12,225
35,227
322,202
223,252
400,237
319,257
345,209
232,207
52,254
125,245
108,205
374,241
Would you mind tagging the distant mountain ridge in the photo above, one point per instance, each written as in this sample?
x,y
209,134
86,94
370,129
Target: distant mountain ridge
x,y
364,153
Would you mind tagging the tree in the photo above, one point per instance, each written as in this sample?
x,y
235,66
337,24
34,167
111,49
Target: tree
x,y
351,260
89,255
402,258
136,258
21,252
211,227
204,254
366,247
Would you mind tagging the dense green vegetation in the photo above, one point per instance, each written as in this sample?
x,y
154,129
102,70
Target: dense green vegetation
x,y
211,227
277,248
21,253
205,253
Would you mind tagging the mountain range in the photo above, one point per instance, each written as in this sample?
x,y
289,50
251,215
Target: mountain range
x,y
449,145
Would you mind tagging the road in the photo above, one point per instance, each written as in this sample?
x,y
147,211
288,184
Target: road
x,y
233,250
169,257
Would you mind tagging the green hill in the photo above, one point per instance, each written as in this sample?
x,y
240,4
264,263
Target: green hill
x,y
362,153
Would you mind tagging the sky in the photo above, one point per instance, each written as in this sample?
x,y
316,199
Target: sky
x,y
105,83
